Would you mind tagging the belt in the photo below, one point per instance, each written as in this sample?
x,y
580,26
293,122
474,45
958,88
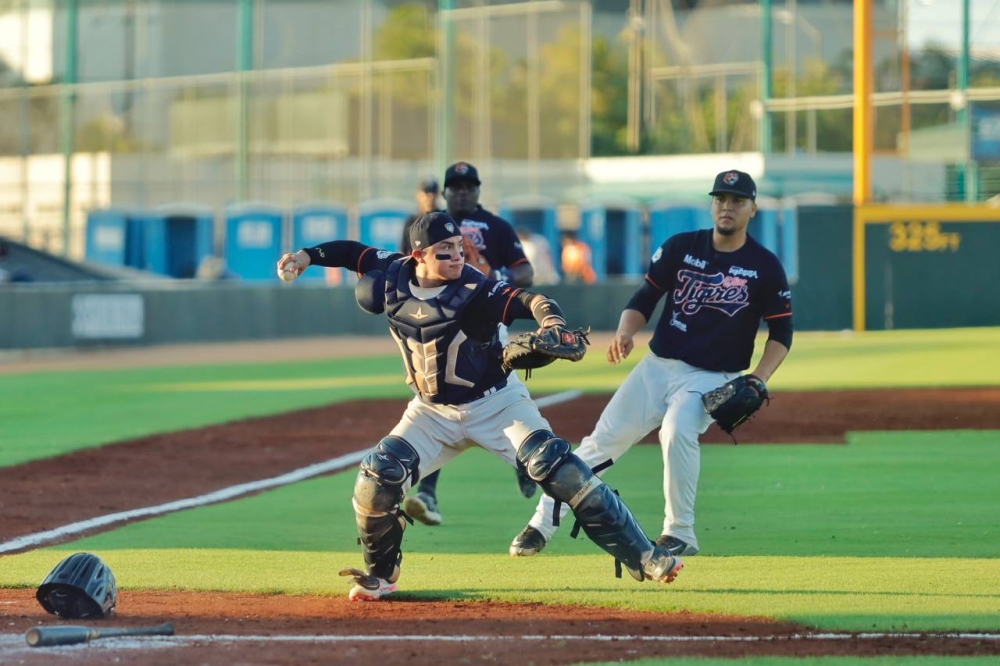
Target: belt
x,y
478,396
491,390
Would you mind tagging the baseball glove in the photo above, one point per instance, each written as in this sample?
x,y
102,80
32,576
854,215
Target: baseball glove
x,y
474,258
537,349
735,401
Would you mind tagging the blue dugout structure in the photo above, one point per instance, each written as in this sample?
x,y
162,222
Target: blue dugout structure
x,y
253,239
114,237
315,223
612,227
380,222
536,213
178,237
171,240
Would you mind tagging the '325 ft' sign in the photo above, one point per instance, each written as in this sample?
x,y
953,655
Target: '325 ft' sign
x,y
921,236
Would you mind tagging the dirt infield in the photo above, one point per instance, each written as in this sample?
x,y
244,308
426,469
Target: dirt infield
x,y
194,462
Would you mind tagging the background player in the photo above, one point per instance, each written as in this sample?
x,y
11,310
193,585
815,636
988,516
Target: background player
x,y
445,315
492,247
719,282
426,195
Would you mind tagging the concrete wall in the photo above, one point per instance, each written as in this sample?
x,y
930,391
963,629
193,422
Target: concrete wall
x,y
101,314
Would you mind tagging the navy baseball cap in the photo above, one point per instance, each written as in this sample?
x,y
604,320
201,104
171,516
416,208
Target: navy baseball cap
x,y
432,228
429,184
461,171
735,182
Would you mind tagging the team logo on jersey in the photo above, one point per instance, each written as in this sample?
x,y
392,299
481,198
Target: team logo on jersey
x,y
382,254
474,234
716,291
731,178
657,255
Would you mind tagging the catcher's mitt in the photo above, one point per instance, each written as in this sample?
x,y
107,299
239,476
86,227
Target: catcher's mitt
x,y
537,349
735,401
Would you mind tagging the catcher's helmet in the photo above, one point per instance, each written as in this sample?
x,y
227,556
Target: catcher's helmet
x,y
81,586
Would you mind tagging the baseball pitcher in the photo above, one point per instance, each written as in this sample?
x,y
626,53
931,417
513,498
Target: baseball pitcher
x,y
719,284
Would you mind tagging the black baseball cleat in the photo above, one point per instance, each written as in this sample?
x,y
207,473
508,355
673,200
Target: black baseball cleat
x,y
525,483
675,546
422,507
529,542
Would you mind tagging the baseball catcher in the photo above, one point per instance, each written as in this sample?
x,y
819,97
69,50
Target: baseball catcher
x,y
735,401
536,349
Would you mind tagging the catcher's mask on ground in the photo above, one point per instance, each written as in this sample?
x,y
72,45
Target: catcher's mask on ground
x,y
80,587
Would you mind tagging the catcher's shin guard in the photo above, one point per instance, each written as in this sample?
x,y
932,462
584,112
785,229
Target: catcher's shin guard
x,y
601,513
377,493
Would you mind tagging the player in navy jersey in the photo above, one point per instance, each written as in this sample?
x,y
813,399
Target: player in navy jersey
x,y
492,247
444,315
719,284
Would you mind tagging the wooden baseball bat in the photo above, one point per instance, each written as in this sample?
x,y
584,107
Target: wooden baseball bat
x,y
72,635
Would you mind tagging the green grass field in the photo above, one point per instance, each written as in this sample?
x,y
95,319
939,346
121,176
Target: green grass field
x,y
894,531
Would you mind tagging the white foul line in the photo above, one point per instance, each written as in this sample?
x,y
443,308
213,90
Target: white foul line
x,y
12,643
301,474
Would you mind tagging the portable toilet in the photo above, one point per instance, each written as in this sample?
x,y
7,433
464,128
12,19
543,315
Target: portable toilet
x,y
178,237
253,240
380,222
114,237
536,213
612,227
668,217
315,223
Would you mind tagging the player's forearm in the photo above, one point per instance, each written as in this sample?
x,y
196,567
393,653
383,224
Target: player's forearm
x,y
774,354
336,254
522,275
630,323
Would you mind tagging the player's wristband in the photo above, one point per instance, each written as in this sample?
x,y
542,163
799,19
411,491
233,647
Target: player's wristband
x,y
546,312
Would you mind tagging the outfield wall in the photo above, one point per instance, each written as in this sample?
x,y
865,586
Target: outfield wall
x,y
93,314
877,267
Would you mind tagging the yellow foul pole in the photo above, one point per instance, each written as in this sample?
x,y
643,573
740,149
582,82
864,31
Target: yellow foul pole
x,y
862,146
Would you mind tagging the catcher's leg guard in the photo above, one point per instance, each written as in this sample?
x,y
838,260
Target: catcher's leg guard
x,y
377,493
602,514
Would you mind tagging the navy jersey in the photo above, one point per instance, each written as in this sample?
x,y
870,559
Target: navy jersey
x,y
715,300
493,236
449,343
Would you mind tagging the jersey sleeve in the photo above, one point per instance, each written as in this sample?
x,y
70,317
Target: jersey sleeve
x,y
660,273
352,255
659,280
777,297
498,303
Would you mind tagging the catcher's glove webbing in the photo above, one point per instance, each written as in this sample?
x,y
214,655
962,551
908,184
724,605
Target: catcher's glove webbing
x,y
735,401
537,349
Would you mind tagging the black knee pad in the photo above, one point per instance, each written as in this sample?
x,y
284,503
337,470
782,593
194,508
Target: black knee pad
x,y
377,493
383,472
602,514
541,453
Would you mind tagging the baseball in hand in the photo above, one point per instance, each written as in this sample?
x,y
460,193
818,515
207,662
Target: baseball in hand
x,y
288,273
